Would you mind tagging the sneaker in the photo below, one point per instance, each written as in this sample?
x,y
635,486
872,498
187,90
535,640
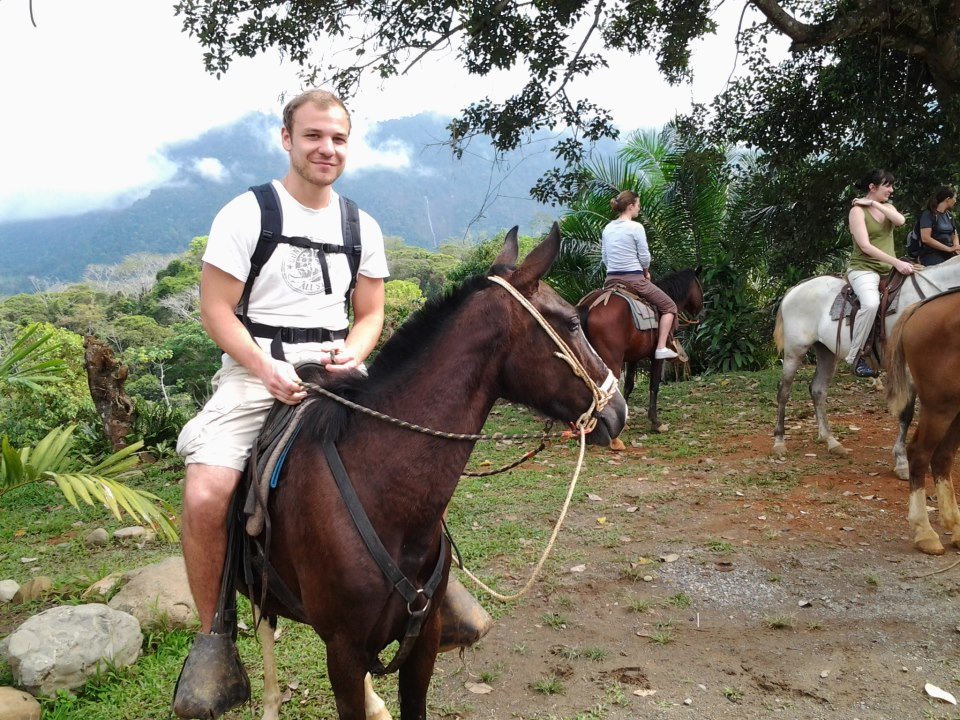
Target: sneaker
x,y
862,370
664,354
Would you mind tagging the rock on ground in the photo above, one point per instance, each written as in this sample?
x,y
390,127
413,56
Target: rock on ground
x,y
61,648
18,705
158,596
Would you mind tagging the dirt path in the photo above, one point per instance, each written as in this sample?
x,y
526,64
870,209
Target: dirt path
x,y
729,584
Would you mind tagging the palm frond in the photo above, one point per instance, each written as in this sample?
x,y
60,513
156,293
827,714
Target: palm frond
x,y
51,459
23,364
142,506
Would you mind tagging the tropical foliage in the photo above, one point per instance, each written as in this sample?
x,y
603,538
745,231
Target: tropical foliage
x,y
53,458
693,206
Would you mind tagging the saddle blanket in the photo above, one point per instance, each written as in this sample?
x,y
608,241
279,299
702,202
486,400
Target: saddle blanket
x,y
644,316
846,300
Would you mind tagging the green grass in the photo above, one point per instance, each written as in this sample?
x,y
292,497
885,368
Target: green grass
x,y
549,686
779,622
679,601
721,547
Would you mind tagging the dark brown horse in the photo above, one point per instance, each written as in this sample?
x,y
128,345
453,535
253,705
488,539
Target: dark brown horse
x,y
926,340
443,369
611,331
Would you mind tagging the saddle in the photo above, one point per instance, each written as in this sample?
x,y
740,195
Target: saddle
x,y
846,305
644,316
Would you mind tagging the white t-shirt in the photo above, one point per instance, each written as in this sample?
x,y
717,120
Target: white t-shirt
x,y
289,292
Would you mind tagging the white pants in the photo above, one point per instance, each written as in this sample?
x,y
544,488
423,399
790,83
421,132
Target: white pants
x,y
866,284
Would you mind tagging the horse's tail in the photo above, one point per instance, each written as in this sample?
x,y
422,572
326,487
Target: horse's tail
x,y
778,329
899,385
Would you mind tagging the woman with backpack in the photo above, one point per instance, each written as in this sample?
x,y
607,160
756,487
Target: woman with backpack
x,y
938,234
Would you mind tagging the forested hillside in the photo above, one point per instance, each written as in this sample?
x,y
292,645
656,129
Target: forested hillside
x,y
436,199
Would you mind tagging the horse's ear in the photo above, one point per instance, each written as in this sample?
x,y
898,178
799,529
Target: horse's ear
x,y
511,248
538,262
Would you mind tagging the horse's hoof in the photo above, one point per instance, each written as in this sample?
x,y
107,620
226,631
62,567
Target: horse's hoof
x,y
779,448
617,444
839,450
661,427
902,472
929,547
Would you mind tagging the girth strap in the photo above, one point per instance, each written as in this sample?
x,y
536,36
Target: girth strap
x,y
390,570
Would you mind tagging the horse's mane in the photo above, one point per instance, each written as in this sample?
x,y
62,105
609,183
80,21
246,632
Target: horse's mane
x,y
327,419
677,284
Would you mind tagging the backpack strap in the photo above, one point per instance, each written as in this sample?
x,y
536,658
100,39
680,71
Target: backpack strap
x,y
350,217
271,227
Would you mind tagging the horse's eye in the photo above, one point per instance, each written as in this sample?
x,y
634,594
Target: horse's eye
x,y
574,323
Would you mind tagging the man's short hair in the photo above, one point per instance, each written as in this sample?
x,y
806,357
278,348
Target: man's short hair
x,y
323,99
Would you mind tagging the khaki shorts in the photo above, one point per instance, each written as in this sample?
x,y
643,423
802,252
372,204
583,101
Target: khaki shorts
x,y
224,431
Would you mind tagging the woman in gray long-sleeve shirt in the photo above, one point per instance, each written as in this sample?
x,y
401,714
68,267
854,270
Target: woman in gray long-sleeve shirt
x,y
626,256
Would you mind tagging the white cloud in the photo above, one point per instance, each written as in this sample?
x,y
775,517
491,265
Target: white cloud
x,y
211,169
391,154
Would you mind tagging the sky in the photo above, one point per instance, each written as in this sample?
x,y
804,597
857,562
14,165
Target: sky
x,y
91,96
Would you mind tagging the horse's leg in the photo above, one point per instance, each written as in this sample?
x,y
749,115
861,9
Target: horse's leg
x,y
629,378
417,670
930,429
791,363
373,704
271,688
656,373
347,680
826,366
901,466
941,465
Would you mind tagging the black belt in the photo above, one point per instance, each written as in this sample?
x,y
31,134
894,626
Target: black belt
x,y
292,335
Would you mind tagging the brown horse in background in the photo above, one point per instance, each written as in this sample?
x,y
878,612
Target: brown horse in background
x,y
923,361
443,369
610,329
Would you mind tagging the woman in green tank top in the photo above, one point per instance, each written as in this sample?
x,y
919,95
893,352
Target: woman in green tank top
x,y
872,219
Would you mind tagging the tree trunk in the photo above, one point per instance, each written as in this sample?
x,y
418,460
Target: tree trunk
x,y
106,376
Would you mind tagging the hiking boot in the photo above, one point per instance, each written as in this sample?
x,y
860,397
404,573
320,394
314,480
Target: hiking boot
x,y
862,370
664,354
463,621
212,680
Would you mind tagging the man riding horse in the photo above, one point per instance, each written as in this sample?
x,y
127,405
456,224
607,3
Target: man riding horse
x,y
295,313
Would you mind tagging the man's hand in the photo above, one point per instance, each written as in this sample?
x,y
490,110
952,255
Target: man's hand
x,y
281,380
339,358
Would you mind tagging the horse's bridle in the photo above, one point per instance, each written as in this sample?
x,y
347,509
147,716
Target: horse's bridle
x,y
601,394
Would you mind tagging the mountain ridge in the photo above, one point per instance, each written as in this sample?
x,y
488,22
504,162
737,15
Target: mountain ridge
x,y
433,199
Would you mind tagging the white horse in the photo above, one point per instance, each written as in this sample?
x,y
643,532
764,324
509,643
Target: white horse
x,y
803,321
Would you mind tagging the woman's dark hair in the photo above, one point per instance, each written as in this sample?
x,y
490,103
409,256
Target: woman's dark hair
x,y
874,177
942,193
622,201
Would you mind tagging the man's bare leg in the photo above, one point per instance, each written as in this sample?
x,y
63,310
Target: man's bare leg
x,y
206,500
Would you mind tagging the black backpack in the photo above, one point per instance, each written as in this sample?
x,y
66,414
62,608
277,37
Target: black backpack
x,y
271,228
913,242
